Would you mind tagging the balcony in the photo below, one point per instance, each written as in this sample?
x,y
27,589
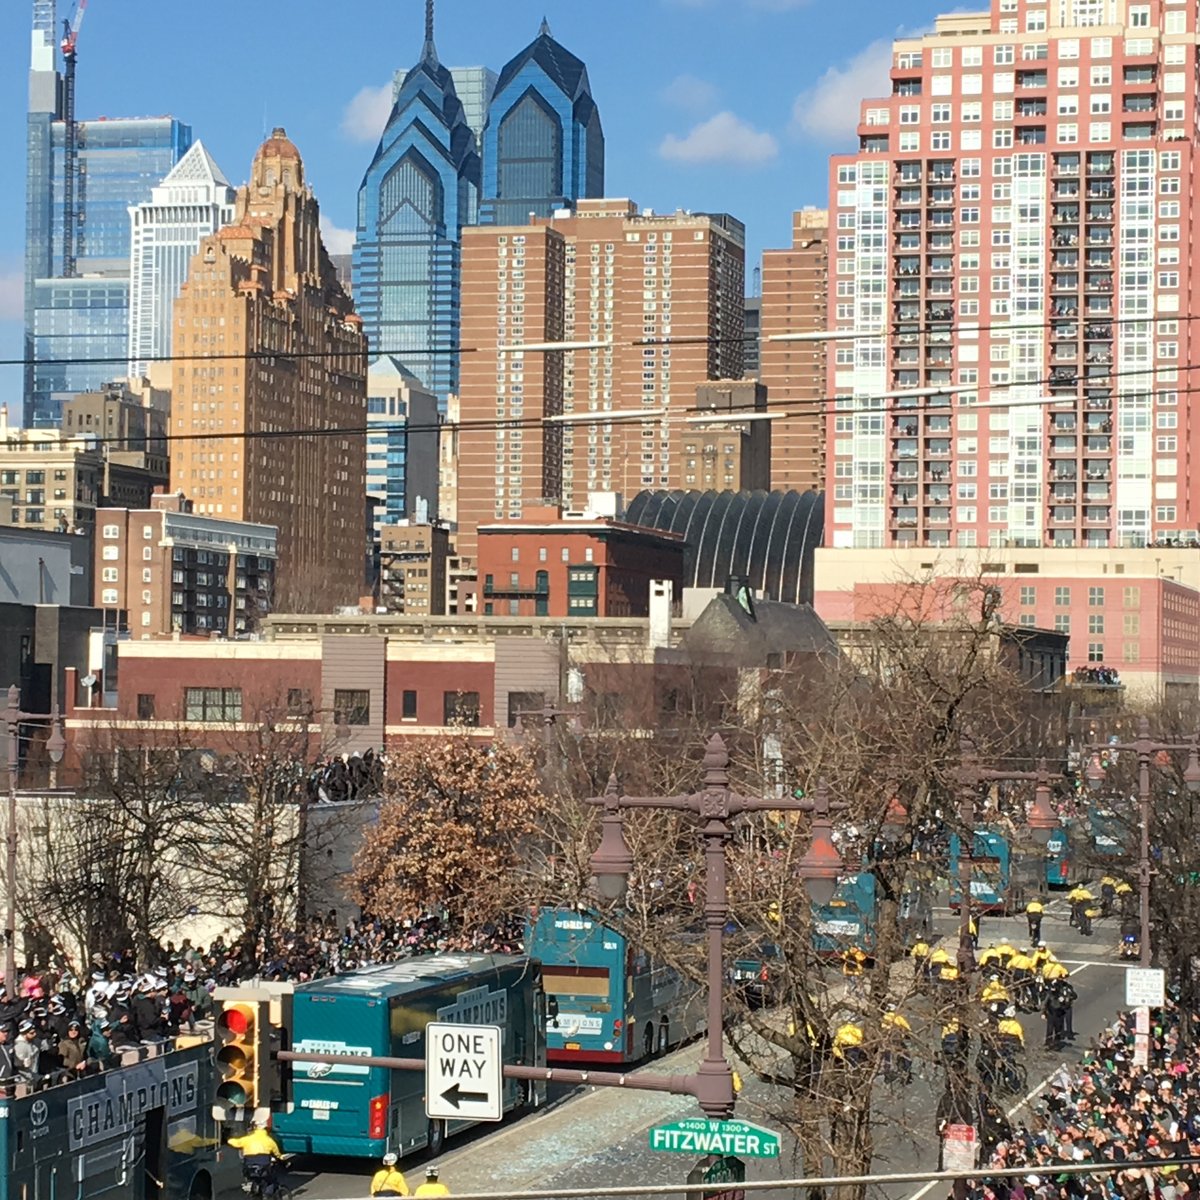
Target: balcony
x,y
908,197
937,493
1065,260
904,429
904,449
1065,214
1068,190
1097,423
1064,306
1098,332
1094,493
1097,515
1062,493
937,517
941,265
1031,107
1063,423
1031,79
1097,472
1062,445
1099,165
1068,331
1099,210
1065,237
1138,103
1064,354
1098,444
904,495
1063,515
937,448
1064,282
941,241
1064,472
1066,166
1098,283
941,197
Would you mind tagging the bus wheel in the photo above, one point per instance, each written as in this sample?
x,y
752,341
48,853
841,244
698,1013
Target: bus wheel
x,y
664,1043
435,1138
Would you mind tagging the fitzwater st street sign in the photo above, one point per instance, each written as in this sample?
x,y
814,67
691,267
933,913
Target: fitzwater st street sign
x,y
723,1138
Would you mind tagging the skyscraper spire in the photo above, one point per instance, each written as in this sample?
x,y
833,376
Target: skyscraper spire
x,y
544,28
429,52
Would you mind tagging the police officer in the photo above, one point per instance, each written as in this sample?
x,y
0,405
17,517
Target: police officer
x,y
432,1186
260,1153
1034,912
389,1180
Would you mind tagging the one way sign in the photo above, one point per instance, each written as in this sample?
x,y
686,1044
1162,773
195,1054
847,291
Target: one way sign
x,y
463,1072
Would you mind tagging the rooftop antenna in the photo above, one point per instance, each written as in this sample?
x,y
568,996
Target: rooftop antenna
x,y
544,28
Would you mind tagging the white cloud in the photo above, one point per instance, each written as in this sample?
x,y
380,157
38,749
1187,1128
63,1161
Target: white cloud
x,y
366,115
12,295
829,109
337,240
725,138
690,93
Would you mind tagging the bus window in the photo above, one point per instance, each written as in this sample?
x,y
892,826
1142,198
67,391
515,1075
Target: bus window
x,y
575,981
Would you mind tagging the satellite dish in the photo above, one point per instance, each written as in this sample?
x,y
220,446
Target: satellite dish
x,y
88,680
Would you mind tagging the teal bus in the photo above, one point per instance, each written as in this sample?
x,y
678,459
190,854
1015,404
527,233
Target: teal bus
x,y
993,886
849,918
382,1011
1058,859
610,1003
142,1130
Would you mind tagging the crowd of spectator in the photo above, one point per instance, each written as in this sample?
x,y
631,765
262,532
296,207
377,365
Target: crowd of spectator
x,y
1109,676
1108,1110
57,1024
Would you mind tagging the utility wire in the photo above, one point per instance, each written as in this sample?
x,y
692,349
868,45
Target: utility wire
x,y
860,405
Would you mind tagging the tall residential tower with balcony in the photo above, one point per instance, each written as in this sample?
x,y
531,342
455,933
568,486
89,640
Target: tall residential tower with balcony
x,y
1011,250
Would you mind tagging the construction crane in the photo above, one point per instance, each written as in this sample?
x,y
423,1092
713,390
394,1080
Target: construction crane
x,y
70,138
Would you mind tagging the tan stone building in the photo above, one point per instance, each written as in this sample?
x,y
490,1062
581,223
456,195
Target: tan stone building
x,y
412,569
732,450
287,353
654,304
794,300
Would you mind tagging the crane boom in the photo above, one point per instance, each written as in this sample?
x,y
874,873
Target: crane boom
x,y
71,219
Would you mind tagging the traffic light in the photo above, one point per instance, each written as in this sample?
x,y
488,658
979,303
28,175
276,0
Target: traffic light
x,y
243,1051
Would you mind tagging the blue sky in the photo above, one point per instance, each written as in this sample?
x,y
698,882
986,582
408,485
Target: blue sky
x,y
729,105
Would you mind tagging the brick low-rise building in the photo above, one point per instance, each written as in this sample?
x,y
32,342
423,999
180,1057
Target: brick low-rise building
x,y
551,565
176,571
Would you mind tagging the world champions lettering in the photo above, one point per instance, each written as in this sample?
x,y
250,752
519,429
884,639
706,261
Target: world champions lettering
x,y
127,1095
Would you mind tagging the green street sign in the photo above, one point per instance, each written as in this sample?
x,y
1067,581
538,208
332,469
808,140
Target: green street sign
x,y
701,1136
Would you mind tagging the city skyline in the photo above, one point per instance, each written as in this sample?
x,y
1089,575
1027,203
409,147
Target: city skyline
x,y
658,135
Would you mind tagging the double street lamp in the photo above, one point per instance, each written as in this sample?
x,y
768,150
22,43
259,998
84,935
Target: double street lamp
x,y
715,804
56,745
1145,747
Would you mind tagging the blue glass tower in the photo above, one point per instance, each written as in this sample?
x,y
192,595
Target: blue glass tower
x,y
543,147
76,327
421,188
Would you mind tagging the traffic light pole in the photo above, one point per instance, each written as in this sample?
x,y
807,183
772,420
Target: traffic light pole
x,y
678,1085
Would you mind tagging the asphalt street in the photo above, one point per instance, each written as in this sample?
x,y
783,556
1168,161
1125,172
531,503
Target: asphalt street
x,y
592,1137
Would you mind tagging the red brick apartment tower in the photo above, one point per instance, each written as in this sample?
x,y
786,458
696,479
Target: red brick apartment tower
x,y
795,284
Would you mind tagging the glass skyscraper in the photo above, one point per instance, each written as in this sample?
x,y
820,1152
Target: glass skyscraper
x,y
119,163
474,86
79,327
421,188
543,146
194,200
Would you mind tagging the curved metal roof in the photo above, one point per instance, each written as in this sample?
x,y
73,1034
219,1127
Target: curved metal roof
x,y
767,536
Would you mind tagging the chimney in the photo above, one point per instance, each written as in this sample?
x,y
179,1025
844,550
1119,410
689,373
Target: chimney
x,y
662,597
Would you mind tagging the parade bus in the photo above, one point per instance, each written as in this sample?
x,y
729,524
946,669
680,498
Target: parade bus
x,y
382,1011
610,1003
1058,859
993,886
139,1131
849,918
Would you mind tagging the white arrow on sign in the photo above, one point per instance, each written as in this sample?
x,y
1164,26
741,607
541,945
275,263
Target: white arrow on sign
x,y
464,1077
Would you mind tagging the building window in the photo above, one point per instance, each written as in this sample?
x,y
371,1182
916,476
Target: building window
x,y
1062,597
298,701
108,596
145,706
1095,652
147,532
1096,623
212,704
1095,597
525,706
1062,623
408,706
1028,595
460,708
111,532
351,706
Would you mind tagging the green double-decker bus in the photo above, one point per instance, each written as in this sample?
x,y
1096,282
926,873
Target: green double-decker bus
x,y
140,1131
366,1111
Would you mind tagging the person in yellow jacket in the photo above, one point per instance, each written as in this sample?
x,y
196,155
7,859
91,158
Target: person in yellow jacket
x,y
990,958
1010,1027
1054,970
896,1032
1034,912
1042,954
847,1042
1021,973
1005,950
994,992
260,1153
389,1180
854,961
1079,898
432,1186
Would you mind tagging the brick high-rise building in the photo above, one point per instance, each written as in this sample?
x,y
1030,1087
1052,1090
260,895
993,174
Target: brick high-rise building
x,y
794,295
660,296
265,285
1015,228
